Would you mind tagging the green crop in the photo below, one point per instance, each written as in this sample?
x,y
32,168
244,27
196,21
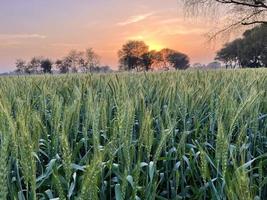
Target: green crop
x,y
171,135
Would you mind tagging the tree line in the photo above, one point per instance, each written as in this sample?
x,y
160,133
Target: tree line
x,y
135,55
249,51
74,61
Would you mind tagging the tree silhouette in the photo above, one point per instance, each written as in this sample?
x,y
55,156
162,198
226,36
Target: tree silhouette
x,y
149,59
20,66
78,61
46,66
229,54
33,66
90,61
169,58
249,51
163,58
134,55
74,60
178,60
131,55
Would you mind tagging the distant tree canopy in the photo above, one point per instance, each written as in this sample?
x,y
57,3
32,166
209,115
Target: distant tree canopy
x,y
87,61
149,59
240,12
131,55
173,59
249,51
178,60
135,55
34,66
78,60
46,65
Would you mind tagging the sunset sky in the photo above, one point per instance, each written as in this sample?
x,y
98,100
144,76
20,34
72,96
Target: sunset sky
x,y
51,28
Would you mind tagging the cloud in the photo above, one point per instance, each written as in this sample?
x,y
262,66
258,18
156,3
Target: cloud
x,y
135,19
21,36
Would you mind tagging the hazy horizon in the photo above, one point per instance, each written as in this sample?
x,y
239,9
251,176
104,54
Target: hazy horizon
x,y
53,28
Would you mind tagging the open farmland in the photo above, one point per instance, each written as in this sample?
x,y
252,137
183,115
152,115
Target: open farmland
x,y
173,135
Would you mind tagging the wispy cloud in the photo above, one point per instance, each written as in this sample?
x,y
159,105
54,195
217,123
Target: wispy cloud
x,y
135,19
22,36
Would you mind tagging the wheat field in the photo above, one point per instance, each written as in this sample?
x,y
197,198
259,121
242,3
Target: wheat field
x,y
170,135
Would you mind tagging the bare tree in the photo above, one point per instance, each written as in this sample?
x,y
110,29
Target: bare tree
x,y
238,12
91,60
74,60
21,65
34,66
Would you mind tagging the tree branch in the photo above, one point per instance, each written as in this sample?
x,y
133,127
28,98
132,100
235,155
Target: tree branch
x,y
243,21
254,22
256,4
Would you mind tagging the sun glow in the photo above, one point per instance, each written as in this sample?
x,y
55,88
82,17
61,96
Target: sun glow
x,y
154,46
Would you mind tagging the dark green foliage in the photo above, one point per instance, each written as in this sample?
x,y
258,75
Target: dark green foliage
x,y
250,51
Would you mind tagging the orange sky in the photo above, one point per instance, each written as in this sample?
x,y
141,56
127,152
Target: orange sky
x,y
52,28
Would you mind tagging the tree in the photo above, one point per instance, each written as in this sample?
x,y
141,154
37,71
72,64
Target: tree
x,y
131,55
230,54
240,12
74,60
169,58
46,66
20,66
91,61
60,65
163,58
71,63
135,55
253,48
149,59
79,61
249,51
33,66
178,60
